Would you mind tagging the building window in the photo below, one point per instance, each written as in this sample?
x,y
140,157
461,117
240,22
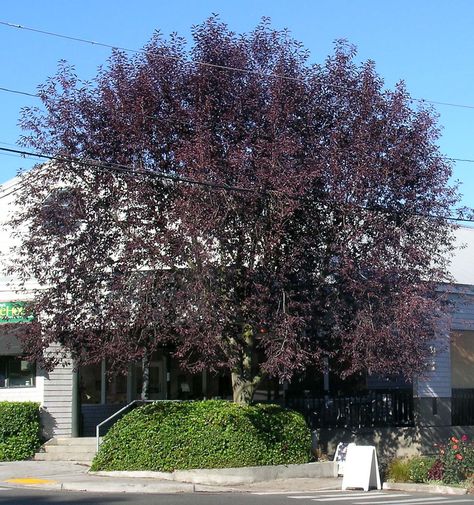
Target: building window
x,y
16,372
90,384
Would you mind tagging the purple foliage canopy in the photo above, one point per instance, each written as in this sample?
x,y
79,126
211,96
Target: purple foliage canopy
x,y
309,236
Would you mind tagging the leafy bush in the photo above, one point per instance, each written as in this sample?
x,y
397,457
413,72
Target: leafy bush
x,y
399,470
419,468
19,430
166,436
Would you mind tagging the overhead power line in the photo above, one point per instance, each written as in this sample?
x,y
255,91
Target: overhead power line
x,y
126,169
139,51
18,92
21,153
195,62
67,37
129,170
447,104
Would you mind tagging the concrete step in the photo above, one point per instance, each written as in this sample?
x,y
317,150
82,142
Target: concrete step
x,y
76,449
80,450
69,441
76,458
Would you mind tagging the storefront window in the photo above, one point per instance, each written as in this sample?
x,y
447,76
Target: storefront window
x,y
116,389
156,390
90,384
16,372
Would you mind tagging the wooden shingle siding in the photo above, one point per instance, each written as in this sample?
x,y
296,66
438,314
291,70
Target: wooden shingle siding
x,y
57,400
462,307
437,382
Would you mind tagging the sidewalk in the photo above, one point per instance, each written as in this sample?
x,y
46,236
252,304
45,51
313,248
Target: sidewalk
x,y
74,477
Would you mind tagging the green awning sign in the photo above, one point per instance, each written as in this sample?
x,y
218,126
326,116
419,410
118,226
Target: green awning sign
x,y
13,312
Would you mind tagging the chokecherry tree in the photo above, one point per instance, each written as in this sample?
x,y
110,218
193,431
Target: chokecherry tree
x,y
254,212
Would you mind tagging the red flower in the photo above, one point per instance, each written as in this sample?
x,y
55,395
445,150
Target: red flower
x,y
464,438
454,439
455,447
458,456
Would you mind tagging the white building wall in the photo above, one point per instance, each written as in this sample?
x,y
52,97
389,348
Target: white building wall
x,y
25,394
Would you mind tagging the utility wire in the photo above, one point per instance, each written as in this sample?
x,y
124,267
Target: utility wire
x,y
67,37
129,170
196,62
447,104
42,156
18,92
142,51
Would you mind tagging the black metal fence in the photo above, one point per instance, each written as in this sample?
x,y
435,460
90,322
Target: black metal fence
x,y
462,407
371,409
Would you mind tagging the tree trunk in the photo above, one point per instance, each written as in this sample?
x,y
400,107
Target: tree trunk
x,y
145,376
243,388
244,380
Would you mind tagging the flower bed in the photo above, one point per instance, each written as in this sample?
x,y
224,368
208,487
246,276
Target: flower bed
x,y
453,465
455,462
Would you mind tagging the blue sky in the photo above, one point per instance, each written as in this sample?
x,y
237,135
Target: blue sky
x,y
427,43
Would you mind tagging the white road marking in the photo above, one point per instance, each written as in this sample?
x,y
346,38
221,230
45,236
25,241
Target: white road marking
x,y
454,500
358,496
313,495
303,497
319,491
409,500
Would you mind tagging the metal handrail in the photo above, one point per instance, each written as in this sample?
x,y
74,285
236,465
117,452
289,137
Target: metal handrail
x,y
123,409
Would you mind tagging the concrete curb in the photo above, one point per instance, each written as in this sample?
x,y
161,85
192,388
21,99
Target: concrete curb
x,y
423,488
234,476
139,487
112,487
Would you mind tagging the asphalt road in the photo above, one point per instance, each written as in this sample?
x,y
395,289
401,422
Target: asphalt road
x,y
17,496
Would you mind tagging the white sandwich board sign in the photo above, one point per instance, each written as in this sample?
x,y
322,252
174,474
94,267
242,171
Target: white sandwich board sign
x,y
361,469
340,456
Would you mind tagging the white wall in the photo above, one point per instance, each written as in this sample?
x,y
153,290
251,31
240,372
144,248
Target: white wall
x,y
461,267
28,394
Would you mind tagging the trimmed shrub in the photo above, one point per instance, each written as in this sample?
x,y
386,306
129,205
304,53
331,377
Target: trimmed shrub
x,y
19,430
167,436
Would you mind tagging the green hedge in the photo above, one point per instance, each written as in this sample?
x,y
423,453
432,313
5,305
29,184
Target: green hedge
x,y
167,436
19,430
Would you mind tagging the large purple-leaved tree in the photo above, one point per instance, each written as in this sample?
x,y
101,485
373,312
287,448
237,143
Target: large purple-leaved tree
x,y
255,213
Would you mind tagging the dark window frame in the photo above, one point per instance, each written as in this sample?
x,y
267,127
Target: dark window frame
x,y
7,373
